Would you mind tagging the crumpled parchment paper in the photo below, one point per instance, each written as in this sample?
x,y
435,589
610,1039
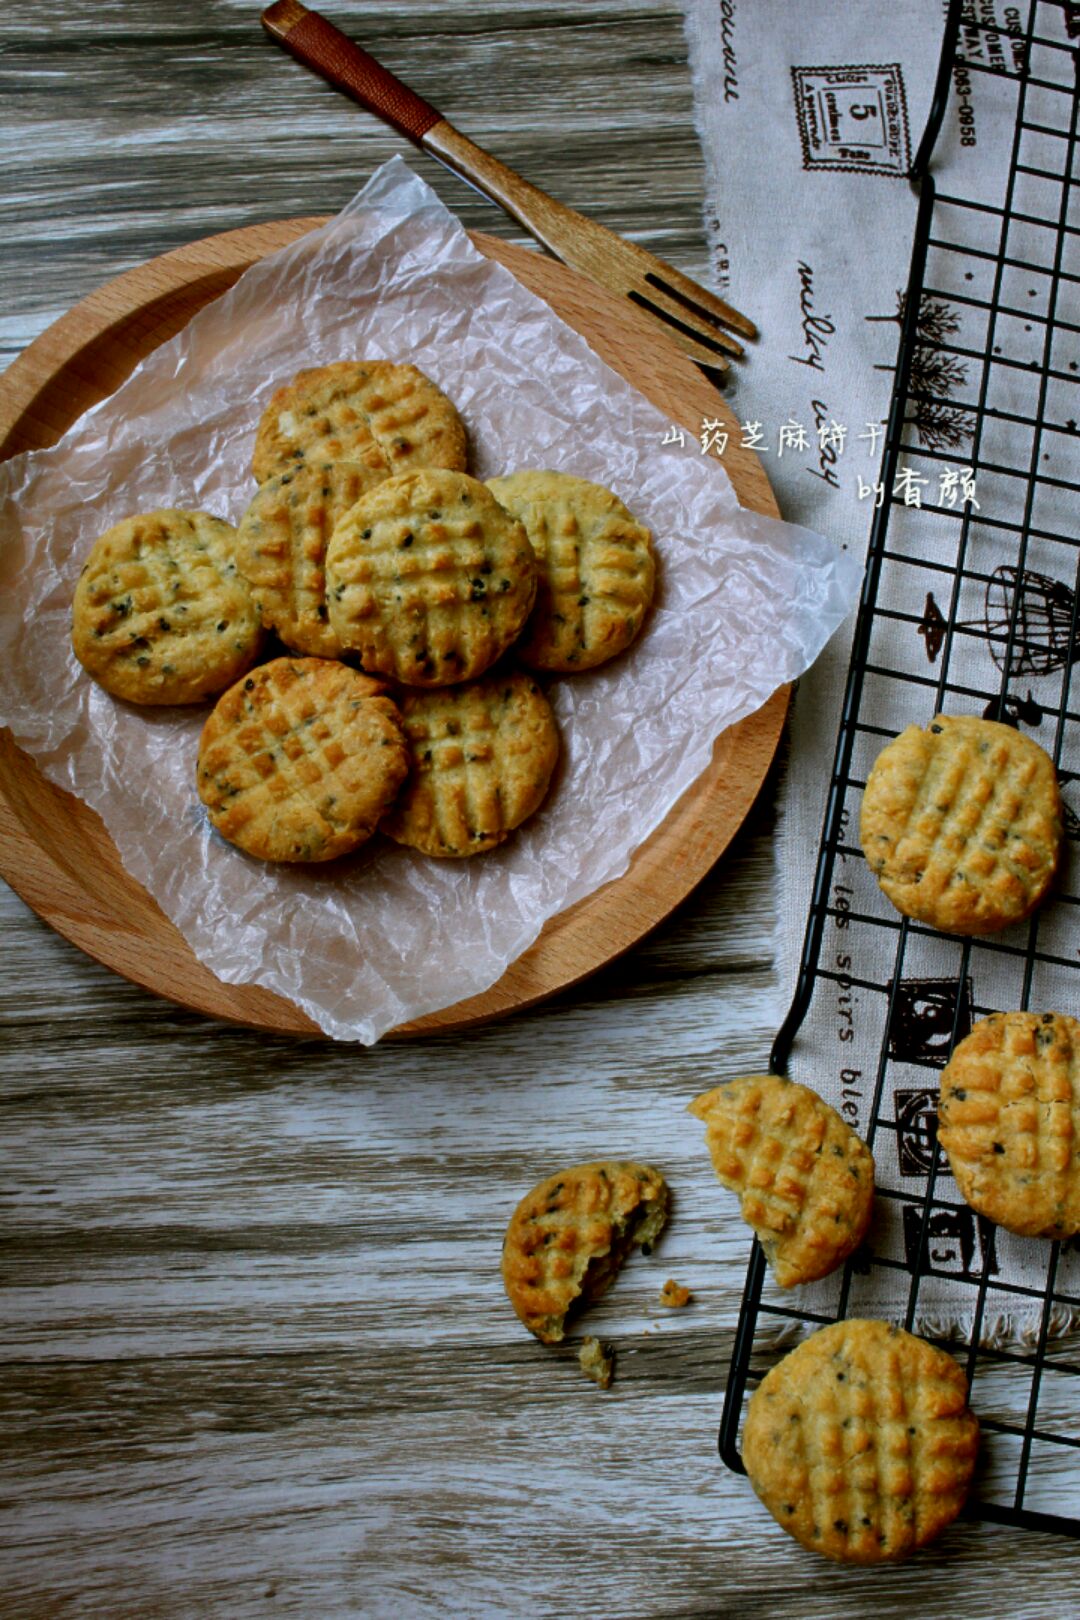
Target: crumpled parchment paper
x,y
745,603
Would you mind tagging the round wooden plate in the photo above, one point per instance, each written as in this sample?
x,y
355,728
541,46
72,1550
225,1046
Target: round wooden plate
x,y
54,850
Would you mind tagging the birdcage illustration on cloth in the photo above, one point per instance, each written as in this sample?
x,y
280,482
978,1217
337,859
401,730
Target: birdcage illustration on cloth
x,y
1046,638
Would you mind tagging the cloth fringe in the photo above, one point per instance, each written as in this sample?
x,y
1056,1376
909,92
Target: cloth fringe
x,y
1000,1331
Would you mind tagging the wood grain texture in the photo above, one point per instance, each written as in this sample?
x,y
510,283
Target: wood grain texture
x,y
254,1356
151,124
54,850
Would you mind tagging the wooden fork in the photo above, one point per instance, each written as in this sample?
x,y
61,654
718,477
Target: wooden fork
x,y
692,316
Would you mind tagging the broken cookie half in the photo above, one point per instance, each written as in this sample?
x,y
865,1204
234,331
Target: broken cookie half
x,y
805,1180
568,1238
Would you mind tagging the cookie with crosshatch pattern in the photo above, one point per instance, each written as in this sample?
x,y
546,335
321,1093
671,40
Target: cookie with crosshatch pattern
x,y
596,569
962,823
299,760
1009,1121
805,1180
860,1442
569,1236
429,580
281,546
481,758
387,417
161,613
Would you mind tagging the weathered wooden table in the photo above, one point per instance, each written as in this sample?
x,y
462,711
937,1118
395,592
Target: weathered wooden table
x,y
256,1357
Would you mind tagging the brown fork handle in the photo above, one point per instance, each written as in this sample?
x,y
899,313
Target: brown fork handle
x,y
319,45
576,241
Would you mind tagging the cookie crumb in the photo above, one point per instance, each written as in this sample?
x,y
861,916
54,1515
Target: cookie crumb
x,y
675,1295
597,1361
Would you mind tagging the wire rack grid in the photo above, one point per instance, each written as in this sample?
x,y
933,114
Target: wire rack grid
x,y
968,606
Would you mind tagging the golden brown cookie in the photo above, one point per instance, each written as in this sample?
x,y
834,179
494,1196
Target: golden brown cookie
x,y
568,1238
481,762
596,567
429,580
281,549
805,1180
389,418
962,823
300,759
161,612
860,1442
1009,1121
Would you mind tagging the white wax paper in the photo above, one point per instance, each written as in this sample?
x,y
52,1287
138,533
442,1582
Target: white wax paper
x,y
744,604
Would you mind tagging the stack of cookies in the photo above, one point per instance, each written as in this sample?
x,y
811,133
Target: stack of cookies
x,y
398,584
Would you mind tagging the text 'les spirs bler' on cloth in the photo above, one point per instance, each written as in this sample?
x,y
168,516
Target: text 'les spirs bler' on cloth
x,y
834,103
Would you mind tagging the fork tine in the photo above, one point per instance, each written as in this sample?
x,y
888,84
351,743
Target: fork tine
x,y
705,304
706,351
703,320
676,311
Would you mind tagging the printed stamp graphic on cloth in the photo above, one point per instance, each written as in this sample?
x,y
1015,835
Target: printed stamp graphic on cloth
x,y
853,118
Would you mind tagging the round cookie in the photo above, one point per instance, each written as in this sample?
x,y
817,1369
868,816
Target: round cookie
x,y
281,549
1009,1121
860,1442
962,823
389,418
569,1236
161,613
429,580
481,761
300,759
596,568
805,1180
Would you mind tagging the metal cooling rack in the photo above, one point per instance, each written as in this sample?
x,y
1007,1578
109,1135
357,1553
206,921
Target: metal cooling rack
x,y
965,270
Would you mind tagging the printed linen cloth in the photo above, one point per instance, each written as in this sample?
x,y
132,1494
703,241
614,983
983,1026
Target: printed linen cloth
x,y
809,117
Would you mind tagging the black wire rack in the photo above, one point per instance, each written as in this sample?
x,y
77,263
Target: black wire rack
x,y
968,606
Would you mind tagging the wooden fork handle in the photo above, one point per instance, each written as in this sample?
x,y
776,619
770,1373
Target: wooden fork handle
x,y
579,242
319,45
